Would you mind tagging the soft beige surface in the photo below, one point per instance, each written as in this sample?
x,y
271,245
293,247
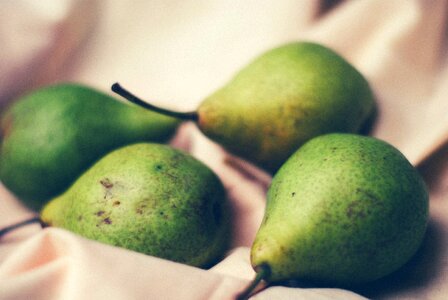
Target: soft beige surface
x,y
177,52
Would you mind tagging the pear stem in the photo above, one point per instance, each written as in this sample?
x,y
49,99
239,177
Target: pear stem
x,y
263,273
21,224
117,88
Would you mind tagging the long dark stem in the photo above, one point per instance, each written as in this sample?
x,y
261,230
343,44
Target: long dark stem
x,y
263,273
20,224
117,88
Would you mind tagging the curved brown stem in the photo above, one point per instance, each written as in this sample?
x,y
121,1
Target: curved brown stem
x,y
263,273
117,88
10,228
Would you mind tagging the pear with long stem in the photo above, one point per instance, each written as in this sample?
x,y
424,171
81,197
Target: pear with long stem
x,y
280,100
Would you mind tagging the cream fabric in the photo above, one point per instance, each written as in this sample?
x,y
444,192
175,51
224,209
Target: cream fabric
x,y
175,53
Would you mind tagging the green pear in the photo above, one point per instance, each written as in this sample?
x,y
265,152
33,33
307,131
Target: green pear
x,y
50,136
149,198
345,209
279,101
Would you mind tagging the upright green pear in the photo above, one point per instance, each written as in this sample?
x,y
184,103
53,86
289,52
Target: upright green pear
x,y
149,198
280,100
344,209
53,134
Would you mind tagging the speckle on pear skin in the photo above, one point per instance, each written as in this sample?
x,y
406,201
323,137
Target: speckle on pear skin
x,y
354,210
143,206
6,126
106,183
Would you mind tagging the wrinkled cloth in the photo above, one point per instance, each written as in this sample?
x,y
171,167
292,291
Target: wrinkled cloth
x,y
175,53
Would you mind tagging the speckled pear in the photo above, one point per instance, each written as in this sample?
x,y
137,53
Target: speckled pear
x,y
344,209
149,198
282,99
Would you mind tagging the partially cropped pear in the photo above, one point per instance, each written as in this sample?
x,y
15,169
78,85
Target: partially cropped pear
x,y
149,198
345,209
53,134
279,101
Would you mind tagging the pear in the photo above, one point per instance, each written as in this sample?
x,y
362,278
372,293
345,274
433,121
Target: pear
x,y
50,136
343,210
149,198
279,101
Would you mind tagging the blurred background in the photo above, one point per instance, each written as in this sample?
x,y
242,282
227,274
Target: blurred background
x,y
175,53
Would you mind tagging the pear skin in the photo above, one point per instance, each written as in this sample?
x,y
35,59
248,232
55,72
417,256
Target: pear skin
x,y
344,209
50,136
279,101
282,99
148,198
